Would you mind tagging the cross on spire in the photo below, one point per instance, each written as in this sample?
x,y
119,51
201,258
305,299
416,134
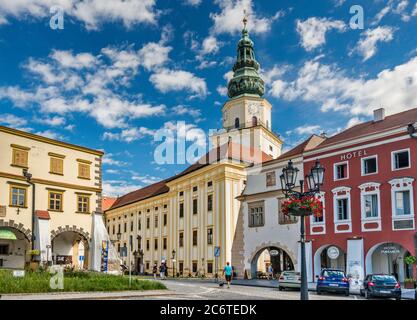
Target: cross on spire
x,y
245,19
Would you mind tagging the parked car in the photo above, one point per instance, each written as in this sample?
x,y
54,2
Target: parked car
x,y
381,285
332,280
289,279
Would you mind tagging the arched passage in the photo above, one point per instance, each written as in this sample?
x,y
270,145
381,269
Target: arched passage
x,y
280,259
14,245
388,258
70,248
322,258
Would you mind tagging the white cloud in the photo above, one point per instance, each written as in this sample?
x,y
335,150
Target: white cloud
x,y
166,80
221,90
92,13
118,188
229,19
367,45
313,31
353,122
108,159
210,45
307,129
12,120
50,134
194,3
53,121
154,55
332,89
128,135
395,7
65,82
183,110
146,179
414,12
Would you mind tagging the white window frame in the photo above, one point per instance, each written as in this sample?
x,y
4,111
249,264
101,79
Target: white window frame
x,y
364,220
393,159
335,170
336,197
363,165
402,184
320,223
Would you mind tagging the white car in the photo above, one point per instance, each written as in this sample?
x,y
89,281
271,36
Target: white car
x,y
289,279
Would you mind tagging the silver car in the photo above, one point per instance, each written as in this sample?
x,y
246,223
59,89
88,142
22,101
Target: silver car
x,y
289,279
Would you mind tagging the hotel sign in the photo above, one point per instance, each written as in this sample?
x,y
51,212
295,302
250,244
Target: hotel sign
x,y
353,154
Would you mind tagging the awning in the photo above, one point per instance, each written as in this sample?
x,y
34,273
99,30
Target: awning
x,y
6,234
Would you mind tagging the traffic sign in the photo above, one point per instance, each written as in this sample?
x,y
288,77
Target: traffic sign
x,y
217,251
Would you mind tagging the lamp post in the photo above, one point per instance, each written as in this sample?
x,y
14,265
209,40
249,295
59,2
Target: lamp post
x,y
28,177
173,262
288,184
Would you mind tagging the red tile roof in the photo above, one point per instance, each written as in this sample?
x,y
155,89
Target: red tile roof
x,y
42,214
229,151
107,202
141,194
312,142
397,120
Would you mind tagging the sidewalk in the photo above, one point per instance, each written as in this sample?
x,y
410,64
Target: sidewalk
x,y
87,295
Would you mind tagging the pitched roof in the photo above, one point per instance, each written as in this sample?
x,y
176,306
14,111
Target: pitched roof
x,y
228,151
397,120
42,214
107,202
312,142
141,194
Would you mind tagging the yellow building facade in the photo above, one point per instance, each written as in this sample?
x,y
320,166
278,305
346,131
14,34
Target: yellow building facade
x,y
60,227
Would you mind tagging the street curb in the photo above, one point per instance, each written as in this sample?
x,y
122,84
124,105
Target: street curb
x,y
92,295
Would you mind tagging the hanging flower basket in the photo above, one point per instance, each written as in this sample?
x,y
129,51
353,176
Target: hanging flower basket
x,y
303,207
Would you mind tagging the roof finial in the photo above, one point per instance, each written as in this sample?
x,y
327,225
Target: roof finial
x,y
245,19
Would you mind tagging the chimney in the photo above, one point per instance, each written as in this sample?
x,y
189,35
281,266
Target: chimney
x,y
379,114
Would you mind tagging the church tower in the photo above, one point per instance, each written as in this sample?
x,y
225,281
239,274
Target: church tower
x,y
246,115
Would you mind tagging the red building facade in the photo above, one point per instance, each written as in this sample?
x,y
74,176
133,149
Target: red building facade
x,y
370,198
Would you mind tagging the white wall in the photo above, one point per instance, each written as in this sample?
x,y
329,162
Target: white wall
x,y
272,233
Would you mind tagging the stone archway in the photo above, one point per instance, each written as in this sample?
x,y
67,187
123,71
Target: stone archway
x,y
321,260
70,246
387,257
14,246
20,227
284,254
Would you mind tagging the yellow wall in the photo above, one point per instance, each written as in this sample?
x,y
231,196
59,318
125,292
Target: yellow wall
x,y
39,167
228,183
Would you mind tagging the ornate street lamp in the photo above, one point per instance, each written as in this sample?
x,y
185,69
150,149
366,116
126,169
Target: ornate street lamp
x,y
28,177
288,183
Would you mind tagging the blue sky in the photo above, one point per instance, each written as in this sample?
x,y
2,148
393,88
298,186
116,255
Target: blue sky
x,y
121,70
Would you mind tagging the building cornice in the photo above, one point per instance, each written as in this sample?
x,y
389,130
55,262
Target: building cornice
x,y
35,137
50,183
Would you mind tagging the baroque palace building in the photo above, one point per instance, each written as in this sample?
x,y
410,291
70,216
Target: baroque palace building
x,y
188,218
50,202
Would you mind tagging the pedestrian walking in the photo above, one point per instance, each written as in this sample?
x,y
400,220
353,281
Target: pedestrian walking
x,y
270,272
162,271
227,272
154,270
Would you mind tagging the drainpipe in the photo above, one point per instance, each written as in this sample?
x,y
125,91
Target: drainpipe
x,y
28,177
412,131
